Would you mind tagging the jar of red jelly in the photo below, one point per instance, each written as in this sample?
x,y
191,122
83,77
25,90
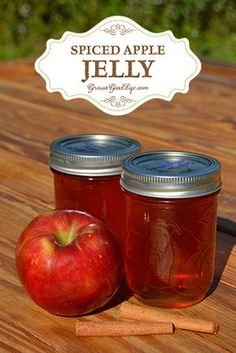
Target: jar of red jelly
x,y
87,172
171,204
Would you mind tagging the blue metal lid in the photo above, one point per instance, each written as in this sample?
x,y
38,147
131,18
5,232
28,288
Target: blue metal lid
x,y
91,155
171,174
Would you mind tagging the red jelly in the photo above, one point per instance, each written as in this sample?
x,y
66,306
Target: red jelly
x,y
171,205
87,172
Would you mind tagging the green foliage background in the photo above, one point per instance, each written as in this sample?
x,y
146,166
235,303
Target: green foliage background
x,y
209,25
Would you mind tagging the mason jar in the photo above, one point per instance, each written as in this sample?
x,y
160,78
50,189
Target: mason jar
x,y
170,228
87,172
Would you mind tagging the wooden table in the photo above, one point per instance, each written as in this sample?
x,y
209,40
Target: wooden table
x,y
203,121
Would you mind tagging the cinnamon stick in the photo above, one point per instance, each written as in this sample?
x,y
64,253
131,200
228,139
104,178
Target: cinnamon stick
x,y
143,313
121,328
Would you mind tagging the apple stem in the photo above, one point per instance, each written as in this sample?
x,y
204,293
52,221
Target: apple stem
x,y
65,238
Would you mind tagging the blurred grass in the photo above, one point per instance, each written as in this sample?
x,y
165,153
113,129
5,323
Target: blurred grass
x,y
210,26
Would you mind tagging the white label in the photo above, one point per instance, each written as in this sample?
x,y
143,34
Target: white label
x,y
118,65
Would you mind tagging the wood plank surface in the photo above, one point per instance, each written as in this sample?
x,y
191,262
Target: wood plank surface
x,y
203,120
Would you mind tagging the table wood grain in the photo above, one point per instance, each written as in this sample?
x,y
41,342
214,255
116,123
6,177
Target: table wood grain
x,y
203,120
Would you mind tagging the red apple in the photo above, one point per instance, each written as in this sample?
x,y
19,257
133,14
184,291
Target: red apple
x,y
69,262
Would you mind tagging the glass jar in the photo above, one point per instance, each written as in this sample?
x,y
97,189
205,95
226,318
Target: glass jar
x,y
171,205
87,172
